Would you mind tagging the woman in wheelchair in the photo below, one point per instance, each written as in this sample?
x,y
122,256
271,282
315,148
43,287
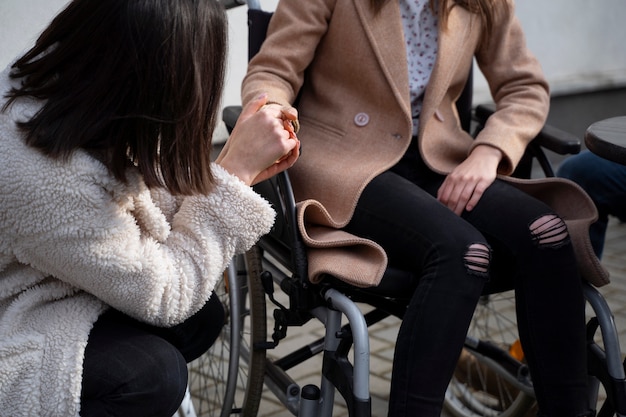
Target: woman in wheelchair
x,y
115,225
387,166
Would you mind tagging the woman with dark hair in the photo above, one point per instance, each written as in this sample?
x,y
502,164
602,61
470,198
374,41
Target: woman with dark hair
x,y
388,165
114,223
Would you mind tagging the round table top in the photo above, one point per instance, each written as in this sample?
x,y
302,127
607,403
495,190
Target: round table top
x,y
607,138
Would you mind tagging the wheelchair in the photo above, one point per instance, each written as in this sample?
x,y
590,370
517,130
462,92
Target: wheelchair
x,y
491,378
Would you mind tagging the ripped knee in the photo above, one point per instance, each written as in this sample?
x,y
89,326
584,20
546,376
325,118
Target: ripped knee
x,y
549,231
477,258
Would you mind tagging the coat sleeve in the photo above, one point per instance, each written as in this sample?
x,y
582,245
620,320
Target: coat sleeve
x,y
67,223
518,88
293,35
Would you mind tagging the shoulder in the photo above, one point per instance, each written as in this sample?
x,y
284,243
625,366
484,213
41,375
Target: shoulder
x,y
39,192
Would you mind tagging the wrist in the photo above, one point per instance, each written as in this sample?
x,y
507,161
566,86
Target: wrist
x,y
486,151
232,168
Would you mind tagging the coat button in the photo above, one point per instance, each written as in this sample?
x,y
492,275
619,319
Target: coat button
x,y
361,119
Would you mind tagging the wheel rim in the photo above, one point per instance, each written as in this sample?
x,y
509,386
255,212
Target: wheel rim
x,y
219,381
478,387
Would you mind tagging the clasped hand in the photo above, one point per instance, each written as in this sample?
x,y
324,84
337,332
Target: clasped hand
x,y
263,142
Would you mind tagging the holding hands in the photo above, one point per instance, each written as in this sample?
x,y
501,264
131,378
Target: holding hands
x,y
263,142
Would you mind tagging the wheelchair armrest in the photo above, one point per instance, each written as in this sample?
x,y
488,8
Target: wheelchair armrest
x,y
230,114
550,137
229,4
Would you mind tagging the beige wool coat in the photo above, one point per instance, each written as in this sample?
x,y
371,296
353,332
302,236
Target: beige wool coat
x,y
348,68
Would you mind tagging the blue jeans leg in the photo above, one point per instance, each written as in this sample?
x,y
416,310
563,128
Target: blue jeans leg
x,y
605,182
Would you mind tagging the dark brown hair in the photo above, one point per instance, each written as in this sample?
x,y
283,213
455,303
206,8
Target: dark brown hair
x,y
137,80
487,10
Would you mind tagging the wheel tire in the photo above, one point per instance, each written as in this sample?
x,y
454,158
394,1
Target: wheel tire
x,y
228,379
478,387
258,333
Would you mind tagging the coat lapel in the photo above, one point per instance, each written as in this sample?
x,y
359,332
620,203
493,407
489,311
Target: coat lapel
x,y
452,45
382,32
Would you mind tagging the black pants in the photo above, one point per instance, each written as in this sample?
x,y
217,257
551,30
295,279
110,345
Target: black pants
x,y
399,211
133,369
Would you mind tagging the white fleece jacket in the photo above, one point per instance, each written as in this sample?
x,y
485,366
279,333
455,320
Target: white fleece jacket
x,y
74,241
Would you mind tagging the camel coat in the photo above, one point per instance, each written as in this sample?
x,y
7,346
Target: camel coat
x,y
348,69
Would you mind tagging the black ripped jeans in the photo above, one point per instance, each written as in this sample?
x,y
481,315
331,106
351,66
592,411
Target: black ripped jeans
x,y
399,211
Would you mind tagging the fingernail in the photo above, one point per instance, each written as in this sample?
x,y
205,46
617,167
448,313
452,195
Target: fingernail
x,y
263,95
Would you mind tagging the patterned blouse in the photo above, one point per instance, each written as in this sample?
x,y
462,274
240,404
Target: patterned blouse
x,y
420,34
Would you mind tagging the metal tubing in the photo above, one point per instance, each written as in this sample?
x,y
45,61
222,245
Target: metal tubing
x,y
360,338
332,324
254,4
608,329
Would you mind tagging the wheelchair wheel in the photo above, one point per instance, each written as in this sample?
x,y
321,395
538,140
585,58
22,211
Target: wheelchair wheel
x,y
481,386
228,379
